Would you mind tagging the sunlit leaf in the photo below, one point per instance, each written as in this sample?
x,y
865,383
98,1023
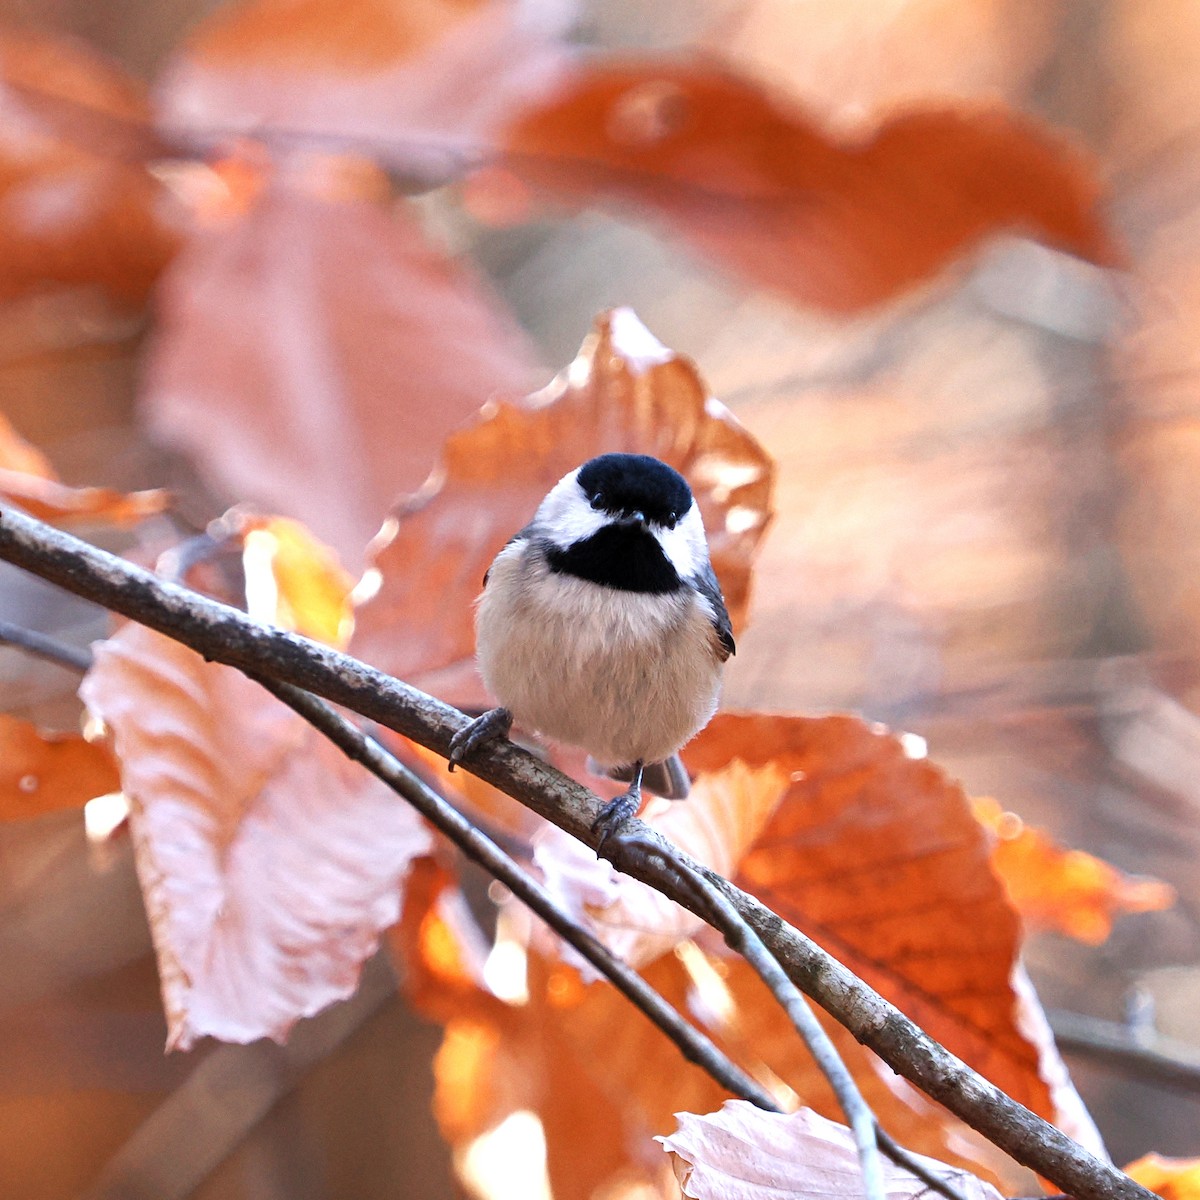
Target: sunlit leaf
x,y
419,85
877,857
626,392
838,224
270,864
1171,1178
308,590
1067,890
724,814
42,772
313,355
50,500
77,203
17,455
743,1153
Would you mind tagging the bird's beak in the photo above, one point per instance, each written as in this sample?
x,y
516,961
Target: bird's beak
x,y
633,518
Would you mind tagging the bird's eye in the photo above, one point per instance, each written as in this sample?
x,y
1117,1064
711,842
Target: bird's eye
x,y
598,500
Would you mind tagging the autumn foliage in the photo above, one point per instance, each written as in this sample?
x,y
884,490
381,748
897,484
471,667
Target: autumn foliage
x,y
374,411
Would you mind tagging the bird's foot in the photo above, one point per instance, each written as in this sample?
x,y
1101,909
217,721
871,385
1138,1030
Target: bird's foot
x,y
493,724
617,811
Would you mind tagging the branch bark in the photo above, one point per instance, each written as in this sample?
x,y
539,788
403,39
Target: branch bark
x,y
223,634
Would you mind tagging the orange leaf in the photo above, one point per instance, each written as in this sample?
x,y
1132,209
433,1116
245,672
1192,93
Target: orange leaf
x,y
43,772
598,1111
306,589
877,857
77,203
17,455
744,1153
1068,890
625,391
270,864
422,83
1171,1178
313,356
838,225
49,500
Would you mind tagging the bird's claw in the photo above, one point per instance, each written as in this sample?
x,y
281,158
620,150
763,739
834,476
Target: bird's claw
x,y
614,815
493,724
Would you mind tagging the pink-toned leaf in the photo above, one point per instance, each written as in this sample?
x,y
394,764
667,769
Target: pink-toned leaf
x,y
313,355
722,817
270,864
743,1153
423,84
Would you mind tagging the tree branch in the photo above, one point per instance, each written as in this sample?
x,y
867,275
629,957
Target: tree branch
x,y
1154,1057
694,1045
225,635
51,649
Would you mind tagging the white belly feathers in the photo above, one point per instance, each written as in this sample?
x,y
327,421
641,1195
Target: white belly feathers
x,y
624,675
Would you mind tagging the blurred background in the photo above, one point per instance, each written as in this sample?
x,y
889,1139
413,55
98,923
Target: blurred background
x,y
985,534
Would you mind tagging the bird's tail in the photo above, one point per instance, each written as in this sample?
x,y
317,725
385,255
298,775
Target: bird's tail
x,y
668,779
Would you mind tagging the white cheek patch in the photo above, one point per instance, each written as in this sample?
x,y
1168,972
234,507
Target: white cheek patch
x,y
685,545
566,516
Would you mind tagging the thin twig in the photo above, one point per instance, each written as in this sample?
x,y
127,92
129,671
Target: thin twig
x,y
741,938
1154,1057
225,635
355,744
51,649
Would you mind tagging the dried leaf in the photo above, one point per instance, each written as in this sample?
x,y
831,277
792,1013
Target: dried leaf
x,y
541,1056
625,391
313,355
42,772
743,1153
77,203
1067,890
17,455
836,224
49,500
270,864
423,83
303,585
724,814
1171,1178
877,857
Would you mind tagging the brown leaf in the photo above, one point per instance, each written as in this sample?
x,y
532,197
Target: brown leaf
x,y
753,1029
421,83
625,391
724,814
1067,890
313,355
49,500
744,1153
42,772
836,224
304,587
1171,1178
17,455
269,863
77,203
598,1110
877,857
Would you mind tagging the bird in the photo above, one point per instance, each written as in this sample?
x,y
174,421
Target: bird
x,y
601,625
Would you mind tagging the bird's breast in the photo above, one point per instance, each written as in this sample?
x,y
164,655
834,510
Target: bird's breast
x,y
623,674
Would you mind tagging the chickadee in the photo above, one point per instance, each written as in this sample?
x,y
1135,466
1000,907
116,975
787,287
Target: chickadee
x,y
601,624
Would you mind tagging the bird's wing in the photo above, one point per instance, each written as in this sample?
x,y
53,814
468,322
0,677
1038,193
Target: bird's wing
x,y
708,587
516,537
